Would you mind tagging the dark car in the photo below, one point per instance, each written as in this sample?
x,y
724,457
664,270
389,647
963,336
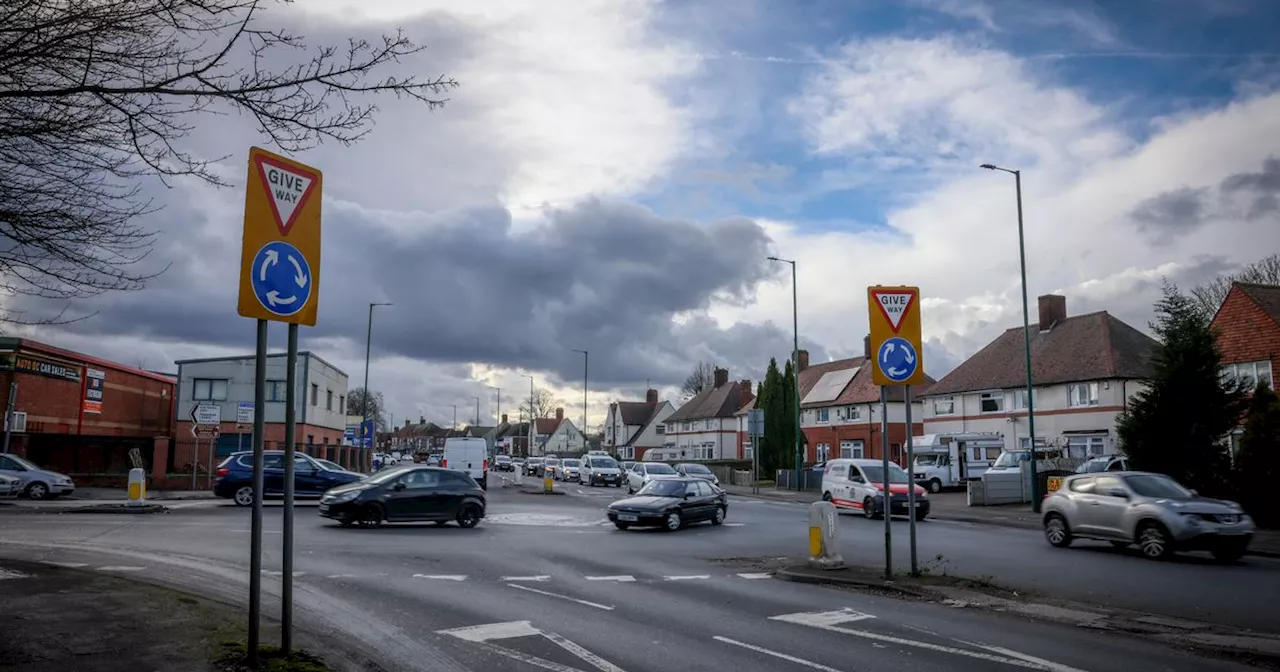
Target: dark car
x,y
407,494
695,470
310,478
503,463
671,503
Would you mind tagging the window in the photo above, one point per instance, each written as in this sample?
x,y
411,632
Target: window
x,y
209,389
704,489
1081,447
1020,399
661,429
1082,394
1250,373
1023,444
315,394
276,390
328,400
852,413
944,406
851,449
824,452
991,402
326,440
708,425
342,403
747,450
688,426
824,415
1083,485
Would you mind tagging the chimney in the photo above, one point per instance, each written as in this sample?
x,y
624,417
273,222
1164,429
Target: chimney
x,y
802,358
422,420
651,397
1053,309
722,377
559,414
504,418
747,393
866,346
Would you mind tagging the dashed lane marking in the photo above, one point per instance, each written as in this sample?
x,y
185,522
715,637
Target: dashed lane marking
x,y
539,577
6,574
755,575
276,572
621,578
65,565
548,593
120,568
442,577
688,577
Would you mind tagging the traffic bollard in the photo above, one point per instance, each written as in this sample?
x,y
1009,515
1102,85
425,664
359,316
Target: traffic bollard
x,y
137,487
824,537
547,484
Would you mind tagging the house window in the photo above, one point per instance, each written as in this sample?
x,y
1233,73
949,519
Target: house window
x,y
209,389
1024,444
328,400
851,449
661,429
1082,394
824,415
1081,447
746,450
315,394
991,402
1020,399
852,413
1249,373
824,452
944,406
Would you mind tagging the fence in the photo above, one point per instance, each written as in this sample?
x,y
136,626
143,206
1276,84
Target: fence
x,y
810,480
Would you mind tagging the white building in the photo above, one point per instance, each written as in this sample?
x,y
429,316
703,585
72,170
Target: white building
x,y
1085,371
636,426
556,436
706,427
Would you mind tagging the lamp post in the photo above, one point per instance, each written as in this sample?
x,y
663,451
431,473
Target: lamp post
x,y
368,349
497,413
528,446
585,358
795,360
1026,334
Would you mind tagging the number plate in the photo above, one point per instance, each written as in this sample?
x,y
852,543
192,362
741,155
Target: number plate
x,y
628,517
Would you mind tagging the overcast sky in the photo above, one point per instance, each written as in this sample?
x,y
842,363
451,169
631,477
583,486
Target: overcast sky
x,y
610,176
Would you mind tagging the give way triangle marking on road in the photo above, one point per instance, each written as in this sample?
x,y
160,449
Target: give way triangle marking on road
x,y
489,633
288,188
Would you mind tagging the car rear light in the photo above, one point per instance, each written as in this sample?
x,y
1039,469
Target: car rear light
x,y
484,465
223,472
444,464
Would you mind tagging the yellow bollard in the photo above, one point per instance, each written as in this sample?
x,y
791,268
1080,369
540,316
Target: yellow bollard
x,y
548,483
824,537
815,542
137,487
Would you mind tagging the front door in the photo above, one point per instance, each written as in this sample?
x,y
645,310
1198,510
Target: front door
x,y
1108,512
307,477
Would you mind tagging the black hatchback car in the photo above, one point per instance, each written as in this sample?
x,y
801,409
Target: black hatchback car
x,y
671,503
407,494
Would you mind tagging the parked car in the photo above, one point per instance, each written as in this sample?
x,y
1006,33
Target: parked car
x,y
533,466
568,470
407,494
671,503
10,486
858,484
37,483
468,454
643,472
1104,463
1150,510
600,470
234,477
695,470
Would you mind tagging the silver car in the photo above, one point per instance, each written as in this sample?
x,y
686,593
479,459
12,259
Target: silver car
x,y
37,483
1150,510
10,486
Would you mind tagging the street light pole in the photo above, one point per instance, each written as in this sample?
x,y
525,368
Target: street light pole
x,y
368,349
1026,335
455,415
795,362
585,358
528,445
497,413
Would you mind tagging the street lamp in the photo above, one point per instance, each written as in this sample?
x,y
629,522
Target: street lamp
x,y
368,348
497,413
528,444
1026,334
585,358
795,360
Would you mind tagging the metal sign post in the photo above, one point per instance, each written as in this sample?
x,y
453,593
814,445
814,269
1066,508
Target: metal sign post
x,y
911,484
195,460
279,282
885,494
755,429
8,416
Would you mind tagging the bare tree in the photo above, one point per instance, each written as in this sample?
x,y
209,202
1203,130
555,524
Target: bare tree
x,y
545,404
370,405
701,378
1209,296
96,95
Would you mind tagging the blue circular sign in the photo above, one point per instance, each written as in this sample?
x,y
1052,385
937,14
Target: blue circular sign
x,y
898,359
281,278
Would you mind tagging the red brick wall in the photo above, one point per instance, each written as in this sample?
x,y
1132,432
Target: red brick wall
x,y
1245,332
185,447
869,434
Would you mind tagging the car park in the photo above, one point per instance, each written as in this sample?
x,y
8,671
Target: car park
x,y
37,483
1152,511
407,494
695,470
234,477
858,484
642,473
671,503
600,470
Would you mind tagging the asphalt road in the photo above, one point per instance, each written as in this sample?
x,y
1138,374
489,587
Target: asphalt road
x,y
546,583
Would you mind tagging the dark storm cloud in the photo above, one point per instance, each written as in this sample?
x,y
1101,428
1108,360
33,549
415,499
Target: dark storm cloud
x,y
1171,214
1262,187
1240,196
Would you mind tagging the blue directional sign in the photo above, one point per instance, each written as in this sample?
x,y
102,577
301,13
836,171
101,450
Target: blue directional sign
x,y
366,434
898,359
281,278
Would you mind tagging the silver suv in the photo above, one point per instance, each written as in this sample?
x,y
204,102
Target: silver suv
x,y
1150,510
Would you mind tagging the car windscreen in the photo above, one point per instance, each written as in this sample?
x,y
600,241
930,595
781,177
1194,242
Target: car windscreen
x,y
926,460
502,458
1151,485
387,474
663,488
1010,460
1093,466
695,469
573,463
22,462
876,474
659,468
534,460
603,463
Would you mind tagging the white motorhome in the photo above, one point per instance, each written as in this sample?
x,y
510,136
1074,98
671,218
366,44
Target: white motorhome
x,y
948,460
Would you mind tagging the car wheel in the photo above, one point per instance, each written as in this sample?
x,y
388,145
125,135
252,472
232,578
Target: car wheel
x,y
630,490
935,486
243,496
869,508
345,522
469,516
1056,531
1229,551
371,516
622,526
37,491
1154,541
826,496
718,518
672,522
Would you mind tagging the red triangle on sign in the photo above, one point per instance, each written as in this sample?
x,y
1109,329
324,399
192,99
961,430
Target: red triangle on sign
x,y
288,188
893,305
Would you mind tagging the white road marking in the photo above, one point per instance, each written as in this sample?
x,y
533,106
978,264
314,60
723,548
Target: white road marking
x,y
488,631
276,572
11,574
1039,662
538,577
775,654
621,578
486,634
531,660
442,577
734,524
689,577
341,576
820,619
597,605
120,568
756,575
67,565
600,663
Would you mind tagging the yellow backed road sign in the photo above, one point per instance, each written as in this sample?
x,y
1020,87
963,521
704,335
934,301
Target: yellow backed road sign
x,y
896,353
280,257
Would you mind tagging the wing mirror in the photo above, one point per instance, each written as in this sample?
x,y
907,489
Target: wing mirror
x,y
398,486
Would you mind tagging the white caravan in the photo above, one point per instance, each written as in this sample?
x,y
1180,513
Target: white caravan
x,y
948,460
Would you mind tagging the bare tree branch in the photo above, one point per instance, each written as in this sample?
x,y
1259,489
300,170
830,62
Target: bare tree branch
x,y
701,378
1209,296
96,95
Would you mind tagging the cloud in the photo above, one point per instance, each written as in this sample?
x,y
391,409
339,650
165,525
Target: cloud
x,y
1169,214
1263,187
1000,16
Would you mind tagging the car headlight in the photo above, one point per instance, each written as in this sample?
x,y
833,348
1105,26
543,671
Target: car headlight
x,y
66,481
342,497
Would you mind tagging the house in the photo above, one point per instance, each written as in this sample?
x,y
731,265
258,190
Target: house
x,y
634,427
512,438
421,438
746,450
1085,369
840,412
489,434
557,436
1247,328
706,427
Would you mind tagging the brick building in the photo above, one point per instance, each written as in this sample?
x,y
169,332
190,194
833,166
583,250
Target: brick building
x,y
82,415
706,426
1247,326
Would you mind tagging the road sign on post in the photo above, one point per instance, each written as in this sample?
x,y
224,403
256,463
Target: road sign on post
x,y
894,315
244,415
280,257
206,414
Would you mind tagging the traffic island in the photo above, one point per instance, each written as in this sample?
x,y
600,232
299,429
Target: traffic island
x,y
530,489
122,508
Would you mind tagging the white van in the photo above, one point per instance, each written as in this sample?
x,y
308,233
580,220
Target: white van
x,y
856,484
948,460
470,455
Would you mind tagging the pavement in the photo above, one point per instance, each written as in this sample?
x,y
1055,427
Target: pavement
x,y
548,582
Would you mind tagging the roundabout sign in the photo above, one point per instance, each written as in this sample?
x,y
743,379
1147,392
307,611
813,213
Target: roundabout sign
x,y
281,278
